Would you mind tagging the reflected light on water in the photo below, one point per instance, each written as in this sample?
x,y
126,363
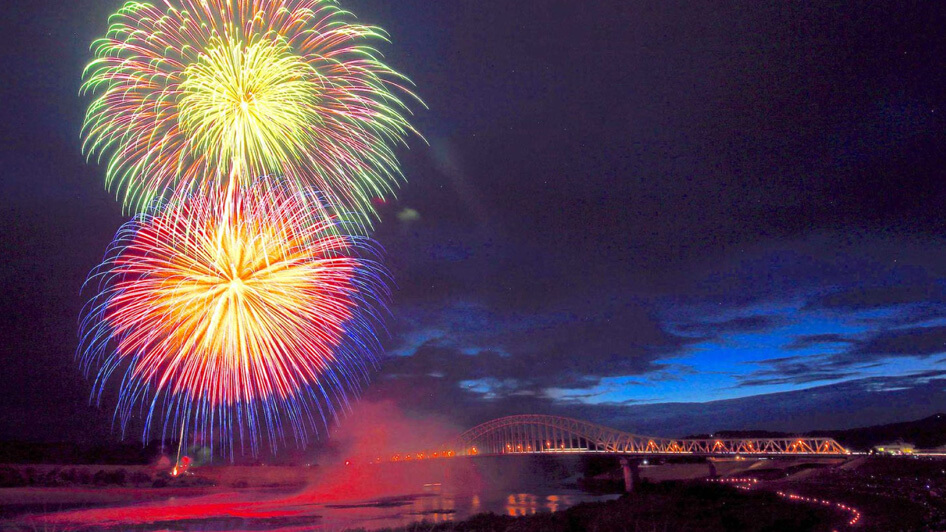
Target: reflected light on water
x,y
522,504
552,503
528,504
436,508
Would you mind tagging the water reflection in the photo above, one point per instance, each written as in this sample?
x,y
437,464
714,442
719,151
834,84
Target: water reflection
x,y
235,511
521,504
369,498
552,503
518,504
441,507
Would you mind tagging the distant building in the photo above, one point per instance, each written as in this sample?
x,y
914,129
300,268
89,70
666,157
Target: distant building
x,y
935,451
897,447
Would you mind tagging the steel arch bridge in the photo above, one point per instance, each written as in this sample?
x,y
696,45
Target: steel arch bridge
x,y
541,434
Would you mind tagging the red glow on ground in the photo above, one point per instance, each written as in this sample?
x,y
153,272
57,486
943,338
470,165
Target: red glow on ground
x,y
205,507
375,430
345,484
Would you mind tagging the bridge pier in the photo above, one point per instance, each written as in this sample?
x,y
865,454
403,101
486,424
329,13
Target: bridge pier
x,y
632,474
712,469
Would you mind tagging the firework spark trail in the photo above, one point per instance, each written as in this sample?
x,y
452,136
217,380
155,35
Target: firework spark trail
x,y
231,314
198,93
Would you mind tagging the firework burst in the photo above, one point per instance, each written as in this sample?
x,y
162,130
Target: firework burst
x,y
231,317
201,92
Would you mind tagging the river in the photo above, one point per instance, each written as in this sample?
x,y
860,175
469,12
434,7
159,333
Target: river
x,y
370,498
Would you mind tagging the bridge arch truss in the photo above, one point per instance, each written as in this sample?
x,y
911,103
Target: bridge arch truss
x,y
525,434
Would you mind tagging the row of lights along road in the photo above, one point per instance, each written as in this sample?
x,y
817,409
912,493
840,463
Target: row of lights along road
x,y
748,483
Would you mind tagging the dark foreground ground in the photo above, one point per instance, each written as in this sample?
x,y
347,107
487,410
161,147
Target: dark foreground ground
x,y
893,493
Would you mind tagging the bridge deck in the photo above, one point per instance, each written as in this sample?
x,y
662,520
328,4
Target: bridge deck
x,y
539,434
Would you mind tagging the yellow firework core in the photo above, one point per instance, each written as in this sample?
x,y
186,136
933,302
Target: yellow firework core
x,y
248,278
248,105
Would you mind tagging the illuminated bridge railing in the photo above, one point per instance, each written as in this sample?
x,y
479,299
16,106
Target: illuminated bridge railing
x,y
530,434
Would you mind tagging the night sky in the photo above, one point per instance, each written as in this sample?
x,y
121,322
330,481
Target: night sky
x,y
666,217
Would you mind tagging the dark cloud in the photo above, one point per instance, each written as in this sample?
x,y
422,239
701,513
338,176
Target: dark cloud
x,y
794,370
871,297
909,315
812,340
853,403
746,324
910,342
811,268
857,355
561,350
